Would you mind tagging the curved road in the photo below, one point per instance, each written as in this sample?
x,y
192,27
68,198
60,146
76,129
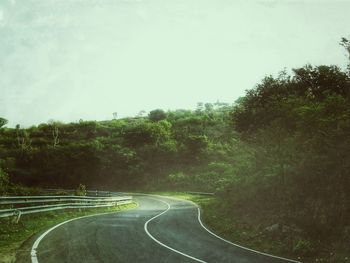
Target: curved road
x,y
159,230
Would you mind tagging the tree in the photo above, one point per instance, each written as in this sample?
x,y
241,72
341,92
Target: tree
x,y
55,134
141,113
3,122
346,44
55,131
157,115
23,139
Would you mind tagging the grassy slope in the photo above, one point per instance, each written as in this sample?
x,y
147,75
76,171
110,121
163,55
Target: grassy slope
x,y
12,235
247,231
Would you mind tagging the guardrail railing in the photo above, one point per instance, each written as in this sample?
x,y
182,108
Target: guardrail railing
x,y
21,205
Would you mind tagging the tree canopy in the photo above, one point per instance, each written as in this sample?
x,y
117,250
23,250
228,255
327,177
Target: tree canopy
x,y
3,122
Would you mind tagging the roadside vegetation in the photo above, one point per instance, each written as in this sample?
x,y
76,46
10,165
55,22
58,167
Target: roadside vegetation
x,y
278,160
14,235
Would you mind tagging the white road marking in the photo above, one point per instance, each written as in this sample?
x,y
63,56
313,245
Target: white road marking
x,y
215,235
37,242
33,251
236,245
162,244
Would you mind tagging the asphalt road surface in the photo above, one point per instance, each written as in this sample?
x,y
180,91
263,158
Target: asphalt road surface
x,y
159,230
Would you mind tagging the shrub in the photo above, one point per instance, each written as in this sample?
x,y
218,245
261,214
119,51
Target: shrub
x,y
81,190
303,247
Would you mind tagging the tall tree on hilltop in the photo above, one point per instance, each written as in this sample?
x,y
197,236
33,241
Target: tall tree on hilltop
x,y
157,115
3,122
346,44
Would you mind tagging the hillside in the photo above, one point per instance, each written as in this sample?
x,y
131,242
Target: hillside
x,y
278,156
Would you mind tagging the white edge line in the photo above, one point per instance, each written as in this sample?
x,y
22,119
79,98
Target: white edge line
x,y
38,240
236,245
212,233
162,244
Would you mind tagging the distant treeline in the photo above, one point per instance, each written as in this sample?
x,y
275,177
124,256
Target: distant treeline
x,y
283,150
118,154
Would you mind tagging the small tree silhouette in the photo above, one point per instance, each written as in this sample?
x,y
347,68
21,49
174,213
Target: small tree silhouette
x,y
81,190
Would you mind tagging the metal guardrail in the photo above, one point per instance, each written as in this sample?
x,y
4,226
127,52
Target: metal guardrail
x,y
21,205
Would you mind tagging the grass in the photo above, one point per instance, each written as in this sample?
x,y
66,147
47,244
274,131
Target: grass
x,y
248,230
13,235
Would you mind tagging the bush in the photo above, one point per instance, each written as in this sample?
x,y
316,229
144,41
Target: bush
x,y
303,247
81,190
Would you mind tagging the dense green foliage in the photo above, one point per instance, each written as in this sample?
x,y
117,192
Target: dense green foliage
x,y
299,127
116,154
280,154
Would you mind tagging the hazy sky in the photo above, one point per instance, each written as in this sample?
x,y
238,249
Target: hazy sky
x,y
85,59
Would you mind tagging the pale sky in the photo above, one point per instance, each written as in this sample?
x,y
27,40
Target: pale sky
x,y
85,59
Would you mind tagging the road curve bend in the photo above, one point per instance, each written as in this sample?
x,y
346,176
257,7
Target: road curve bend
x,y
159,230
